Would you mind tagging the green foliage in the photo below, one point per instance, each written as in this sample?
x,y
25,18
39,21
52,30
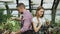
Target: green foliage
x,y
58,22
12,25
3,18
7,24
1,15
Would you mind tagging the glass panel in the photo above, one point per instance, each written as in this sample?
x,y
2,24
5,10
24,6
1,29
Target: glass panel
x,y
35,3
58,6
2,6
1,3
57,19
26,2
47,12
58,12
15,13
6,0
33,12
48,17
48,3
48,6
14,1
12,5
5,12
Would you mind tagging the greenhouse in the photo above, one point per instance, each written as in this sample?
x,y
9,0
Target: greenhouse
x,y
9,11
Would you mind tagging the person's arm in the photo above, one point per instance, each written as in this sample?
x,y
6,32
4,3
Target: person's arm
x,y
36,29
14,18
19,19
25,26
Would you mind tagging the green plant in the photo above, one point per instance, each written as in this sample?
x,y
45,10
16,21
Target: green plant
x,y
12,25
3,17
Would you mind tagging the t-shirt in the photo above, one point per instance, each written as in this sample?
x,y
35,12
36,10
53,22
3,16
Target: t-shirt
x,y
41,20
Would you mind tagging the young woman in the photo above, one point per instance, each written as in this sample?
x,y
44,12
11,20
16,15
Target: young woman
x,y
39,21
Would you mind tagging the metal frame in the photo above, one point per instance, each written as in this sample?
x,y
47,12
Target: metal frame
x,y
54,7
7,8
17,2
41,2
30,5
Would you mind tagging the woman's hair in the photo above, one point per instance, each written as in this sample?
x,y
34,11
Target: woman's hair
x,y
38,8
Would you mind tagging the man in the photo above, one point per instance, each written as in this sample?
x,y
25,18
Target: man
x,y
26,20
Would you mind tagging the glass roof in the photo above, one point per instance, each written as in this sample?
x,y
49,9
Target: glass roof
x,y
48,6
2,5
35,4
26,2
48,3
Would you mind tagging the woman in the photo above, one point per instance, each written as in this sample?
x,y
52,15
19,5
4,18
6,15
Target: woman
x,y
39,21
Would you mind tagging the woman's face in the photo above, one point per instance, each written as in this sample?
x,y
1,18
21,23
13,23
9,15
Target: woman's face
x,y
41,12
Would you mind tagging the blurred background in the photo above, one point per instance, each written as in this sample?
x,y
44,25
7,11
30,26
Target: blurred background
x,y
52,11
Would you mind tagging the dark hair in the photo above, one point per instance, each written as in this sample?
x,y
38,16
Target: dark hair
x,y
38,8
20,4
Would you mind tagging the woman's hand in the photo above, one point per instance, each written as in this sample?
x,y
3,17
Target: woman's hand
x,y
47,22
